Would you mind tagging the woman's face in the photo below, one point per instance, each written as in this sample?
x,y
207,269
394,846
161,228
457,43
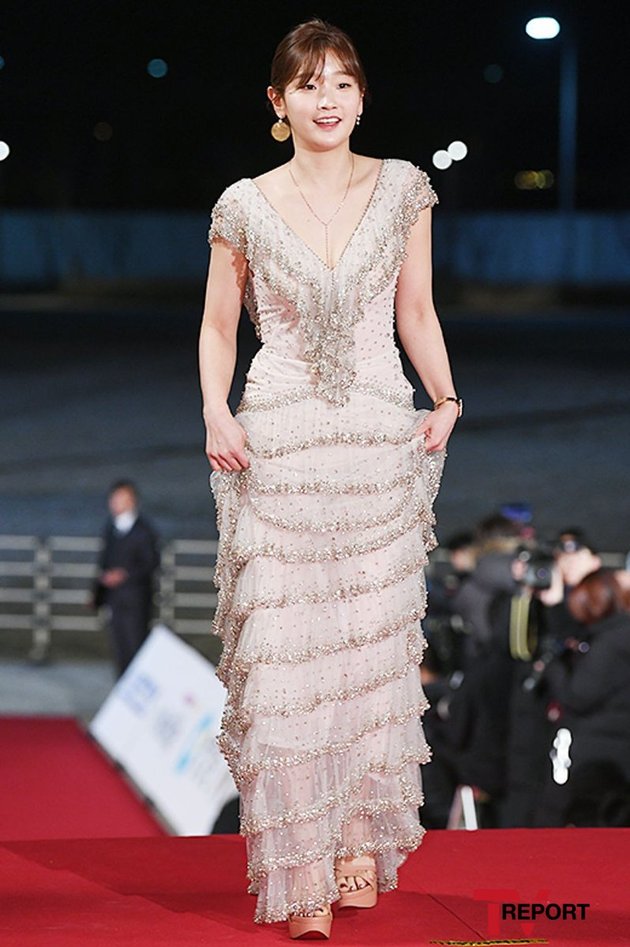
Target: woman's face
x,y
323,111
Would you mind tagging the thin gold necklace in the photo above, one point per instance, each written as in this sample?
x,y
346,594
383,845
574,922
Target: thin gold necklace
x,y
325,223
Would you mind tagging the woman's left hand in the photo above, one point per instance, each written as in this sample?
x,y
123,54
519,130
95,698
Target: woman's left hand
x,y
438,425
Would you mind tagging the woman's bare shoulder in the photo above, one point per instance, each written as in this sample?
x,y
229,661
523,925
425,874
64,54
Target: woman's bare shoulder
x,y
370,162
368,167
273,181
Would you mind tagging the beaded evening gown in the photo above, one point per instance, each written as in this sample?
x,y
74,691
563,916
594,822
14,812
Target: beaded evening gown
x,y
323,542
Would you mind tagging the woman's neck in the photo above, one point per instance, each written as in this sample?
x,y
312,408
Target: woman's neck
x,y
325,170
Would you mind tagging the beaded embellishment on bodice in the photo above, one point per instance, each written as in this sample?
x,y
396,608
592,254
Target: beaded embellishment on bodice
x,y
299,305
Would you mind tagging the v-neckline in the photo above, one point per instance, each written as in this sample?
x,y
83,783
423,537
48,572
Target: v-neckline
x,y
289,228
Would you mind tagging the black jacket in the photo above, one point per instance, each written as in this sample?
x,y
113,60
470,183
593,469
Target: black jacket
x,y
492,576
136,552
595,694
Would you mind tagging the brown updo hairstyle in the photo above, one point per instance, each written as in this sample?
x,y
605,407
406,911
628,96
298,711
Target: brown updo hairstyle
x,y
300,55
596,597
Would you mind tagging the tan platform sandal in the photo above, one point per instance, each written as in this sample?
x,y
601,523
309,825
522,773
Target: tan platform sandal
x,y
358,868
317,924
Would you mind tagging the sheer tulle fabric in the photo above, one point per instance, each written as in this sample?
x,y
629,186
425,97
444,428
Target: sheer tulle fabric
x,y
323,542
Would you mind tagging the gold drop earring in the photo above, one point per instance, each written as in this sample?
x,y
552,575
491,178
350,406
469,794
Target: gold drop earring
x,y
280,130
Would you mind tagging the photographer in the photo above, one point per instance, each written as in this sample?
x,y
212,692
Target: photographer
x,y
442,625
575,558
593,689
496,539
469,723
540,625
522,630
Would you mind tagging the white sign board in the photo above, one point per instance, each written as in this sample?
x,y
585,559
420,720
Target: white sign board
x,y
160,723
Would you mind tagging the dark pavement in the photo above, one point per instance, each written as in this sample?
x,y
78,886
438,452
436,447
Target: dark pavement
x,y
88,395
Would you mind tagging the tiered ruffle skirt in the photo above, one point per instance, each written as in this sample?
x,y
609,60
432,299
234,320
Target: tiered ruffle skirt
x,y
323,542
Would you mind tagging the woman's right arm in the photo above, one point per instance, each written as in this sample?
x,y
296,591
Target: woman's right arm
x,y
225,289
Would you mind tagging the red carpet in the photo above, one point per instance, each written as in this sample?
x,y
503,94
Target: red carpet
x,y
56,783
180,892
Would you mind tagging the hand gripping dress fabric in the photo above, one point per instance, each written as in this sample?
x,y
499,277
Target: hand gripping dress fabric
x,y
323,542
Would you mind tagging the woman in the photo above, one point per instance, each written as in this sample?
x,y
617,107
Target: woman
x,y
324,487
594,691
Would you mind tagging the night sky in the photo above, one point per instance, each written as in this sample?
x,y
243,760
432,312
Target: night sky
x,y
177,141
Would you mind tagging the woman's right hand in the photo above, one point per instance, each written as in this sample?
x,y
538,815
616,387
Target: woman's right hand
x,y
225,442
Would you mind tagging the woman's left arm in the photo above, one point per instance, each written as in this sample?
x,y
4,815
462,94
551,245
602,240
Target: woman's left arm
x,y
421,335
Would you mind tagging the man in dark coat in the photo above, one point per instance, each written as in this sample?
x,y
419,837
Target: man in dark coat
x,y
128,562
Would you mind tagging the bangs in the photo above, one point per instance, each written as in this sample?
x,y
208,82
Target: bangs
x,y
309,62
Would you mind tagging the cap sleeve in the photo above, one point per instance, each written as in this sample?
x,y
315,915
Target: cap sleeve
x,y
228,219
420,193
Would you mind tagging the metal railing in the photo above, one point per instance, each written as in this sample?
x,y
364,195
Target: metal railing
x,y
46,583
46,586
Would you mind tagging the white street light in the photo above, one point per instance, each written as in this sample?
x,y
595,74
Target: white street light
x,y
542,27
546,27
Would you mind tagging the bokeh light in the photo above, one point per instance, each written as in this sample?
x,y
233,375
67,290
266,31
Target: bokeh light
x,y
493,72
157,68
5,151
441,159
1,62
457,150
102,131
542,27
534,180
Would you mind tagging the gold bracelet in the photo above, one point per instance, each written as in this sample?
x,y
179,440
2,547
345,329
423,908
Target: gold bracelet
x,y
458,402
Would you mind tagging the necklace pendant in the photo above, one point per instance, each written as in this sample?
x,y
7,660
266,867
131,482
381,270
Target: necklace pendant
x,y
325,223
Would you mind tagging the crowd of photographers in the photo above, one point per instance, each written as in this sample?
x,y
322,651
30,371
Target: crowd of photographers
x,y
528,676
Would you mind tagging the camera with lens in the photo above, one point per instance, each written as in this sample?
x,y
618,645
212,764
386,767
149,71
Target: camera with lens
x,y
538,564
